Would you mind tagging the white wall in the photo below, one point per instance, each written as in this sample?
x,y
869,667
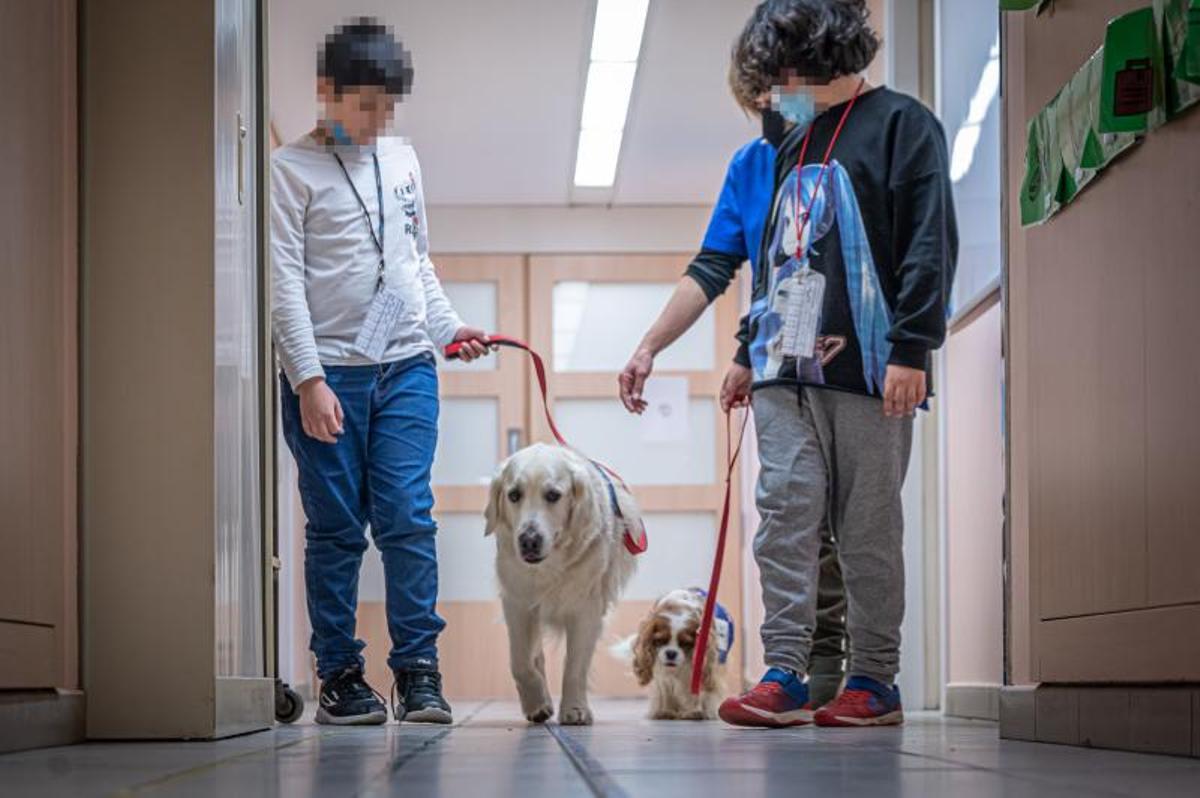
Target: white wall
x,y
463,229
974,470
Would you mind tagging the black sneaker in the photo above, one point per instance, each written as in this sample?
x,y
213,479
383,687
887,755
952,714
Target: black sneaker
x,y
347,700
417,694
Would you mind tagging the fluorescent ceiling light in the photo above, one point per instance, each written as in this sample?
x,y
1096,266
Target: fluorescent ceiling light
x,y
617,35
596,163
616,44
966,141
606,100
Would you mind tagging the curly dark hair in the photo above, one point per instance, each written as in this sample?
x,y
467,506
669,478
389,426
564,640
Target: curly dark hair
x,y
823,39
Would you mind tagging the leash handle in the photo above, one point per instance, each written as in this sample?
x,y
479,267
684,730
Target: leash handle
x,y
700,652
634,543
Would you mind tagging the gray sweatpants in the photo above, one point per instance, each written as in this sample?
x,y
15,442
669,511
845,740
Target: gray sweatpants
x,y
828,456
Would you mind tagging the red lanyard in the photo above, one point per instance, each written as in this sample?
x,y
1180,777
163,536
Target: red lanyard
x,y
801,227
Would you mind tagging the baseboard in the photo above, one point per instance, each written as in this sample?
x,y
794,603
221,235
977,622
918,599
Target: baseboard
x,y
974,701
244,705
1157,719
40,719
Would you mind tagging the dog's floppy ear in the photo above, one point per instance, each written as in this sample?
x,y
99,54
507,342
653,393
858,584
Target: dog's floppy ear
x,y
643,651
493,516
581,520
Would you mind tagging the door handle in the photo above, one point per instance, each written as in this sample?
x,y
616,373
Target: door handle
x,y
515,436
241,157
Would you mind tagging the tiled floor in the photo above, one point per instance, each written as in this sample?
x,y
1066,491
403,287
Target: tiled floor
x,y
490,753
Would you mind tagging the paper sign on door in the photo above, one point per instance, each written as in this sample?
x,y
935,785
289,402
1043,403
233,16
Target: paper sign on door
x,y
666,416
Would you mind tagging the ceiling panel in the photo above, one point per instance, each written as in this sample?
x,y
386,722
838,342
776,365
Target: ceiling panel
x,y
498,91
496,96
683,123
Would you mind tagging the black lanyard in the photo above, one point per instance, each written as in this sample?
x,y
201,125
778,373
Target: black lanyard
x,y
377,239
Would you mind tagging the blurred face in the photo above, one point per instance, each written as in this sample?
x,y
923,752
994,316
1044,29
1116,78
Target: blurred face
x,y
363,112
819,89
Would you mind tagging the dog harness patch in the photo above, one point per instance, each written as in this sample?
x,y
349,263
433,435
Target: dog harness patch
x,y
722,626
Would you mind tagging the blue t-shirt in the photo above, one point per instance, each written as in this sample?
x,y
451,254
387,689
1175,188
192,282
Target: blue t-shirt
x,y
737,222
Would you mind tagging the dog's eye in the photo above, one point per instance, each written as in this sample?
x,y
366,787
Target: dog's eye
x,y
553,495
686,641
514,495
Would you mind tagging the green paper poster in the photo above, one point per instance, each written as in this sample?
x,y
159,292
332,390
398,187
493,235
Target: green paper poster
x,y
1043,170
1189,66
1070,146
1172,17
1131,98
1098,148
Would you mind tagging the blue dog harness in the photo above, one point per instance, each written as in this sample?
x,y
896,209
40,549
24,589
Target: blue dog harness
x,y
722,626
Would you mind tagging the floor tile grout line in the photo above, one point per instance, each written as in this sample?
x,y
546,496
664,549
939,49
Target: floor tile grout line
x,y
426,744
593,773
197,769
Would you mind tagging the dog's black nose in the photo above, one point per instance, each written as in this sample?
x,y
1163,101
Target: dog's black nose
x,y
671,654
530,545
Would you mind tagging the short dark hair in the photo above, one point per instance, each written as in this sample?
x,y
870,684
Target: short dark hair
x,y
822,39
365,53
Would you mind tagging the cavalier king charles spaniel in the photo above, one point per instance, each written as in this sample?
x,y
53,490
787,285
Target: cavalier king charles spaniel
x,y
663,652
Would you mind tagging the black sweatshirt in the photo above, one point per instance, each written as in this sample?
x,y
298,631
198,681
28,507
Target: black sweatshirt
x,y
882,231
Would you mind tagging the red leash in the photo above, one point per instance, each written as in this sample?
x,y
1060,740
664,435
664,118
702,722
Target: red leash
x,y
714,581
634,543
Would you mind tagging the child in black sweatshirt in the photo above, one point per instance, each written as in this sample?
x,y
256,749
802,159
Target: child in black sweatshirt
x,y
850,292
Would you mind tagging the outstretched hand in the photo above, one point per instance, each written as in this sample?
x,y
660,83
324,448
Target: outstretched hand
x,y
632,380
735,389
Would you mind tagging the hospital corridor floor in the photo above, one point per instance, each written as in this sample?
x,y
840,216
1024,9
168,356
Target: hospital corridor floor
x,y
489,753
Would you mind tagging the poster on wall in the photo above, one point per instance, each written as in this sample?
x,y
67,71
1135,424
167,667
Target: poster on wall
x,y
1066,148
1179,24
1131,99
666,416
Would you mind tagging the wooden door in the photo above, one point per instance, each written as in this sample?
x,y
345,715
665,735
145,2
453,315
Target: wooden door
x,y
38,352
584,315
587,315
484,416
1104,437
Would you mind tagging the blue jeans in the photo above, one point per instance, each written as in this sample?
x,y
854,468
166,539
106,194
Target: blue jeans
x,y
377,473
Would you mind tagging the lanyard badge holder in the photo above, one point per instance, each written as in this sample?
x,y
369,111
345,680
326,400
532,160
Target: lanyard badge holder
x,y
803,291
387,306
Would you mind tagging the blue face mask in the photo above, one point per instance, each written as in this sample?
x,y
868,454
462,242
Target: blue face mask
x,y
340,136
796,106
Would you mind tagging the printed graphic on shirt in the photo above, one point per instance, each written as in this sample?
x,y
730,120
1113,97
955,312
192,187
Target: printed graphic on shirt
x,y
406,193
834,203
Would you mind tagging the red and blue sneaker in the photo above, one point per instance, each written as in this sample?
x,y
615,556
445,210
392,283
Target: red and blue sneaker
x,y
779,700
863,702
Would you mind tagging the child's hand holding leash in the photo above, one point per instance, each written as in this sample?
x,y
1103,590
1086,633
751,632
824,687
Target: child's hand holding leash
x,y
735,390
473,343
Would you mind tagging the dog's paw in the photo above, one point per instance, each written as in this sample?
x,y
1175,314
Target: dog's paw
x,y
540,714
575,716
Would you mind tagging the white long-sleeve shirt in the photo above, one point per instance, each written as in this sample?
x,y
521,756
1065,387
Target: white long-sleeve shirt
x,y
325,265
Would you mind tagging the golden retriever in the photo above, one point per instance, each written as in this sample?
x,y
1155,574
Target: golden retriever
x,y
561,563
